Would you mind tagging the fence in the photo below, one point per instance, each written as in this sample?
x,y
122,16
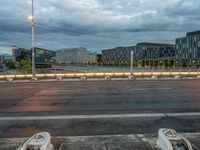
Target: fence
x,y
99,72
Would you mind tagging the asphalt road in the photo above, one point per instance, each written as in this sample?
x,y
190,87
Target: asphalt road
x,y
95,98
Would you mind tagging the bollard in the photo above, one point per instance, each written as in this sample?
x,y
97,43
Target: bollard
x,y
177,77
154,77
39,141
9,80
59,78
131,78
169,139
83,78
34,79
107,78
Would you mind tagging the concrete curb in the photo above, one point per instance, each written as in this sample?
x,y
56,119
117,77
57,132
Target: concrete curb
x,y
103,142
97,80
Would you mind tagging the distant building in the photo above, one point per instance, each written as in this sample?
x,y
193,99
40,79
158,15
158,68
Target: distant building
x,y
23,54
43,57
154,54
99,58
188,49
144,54
7,57
1,59
117,56
75,55
4,58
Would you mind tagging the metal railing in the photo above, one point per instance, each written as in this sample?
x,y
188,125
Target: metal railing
x,y
99,72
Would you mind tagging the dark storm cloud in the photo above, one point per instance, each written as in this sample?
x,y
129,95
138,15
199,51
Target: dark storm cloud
x,y
96,23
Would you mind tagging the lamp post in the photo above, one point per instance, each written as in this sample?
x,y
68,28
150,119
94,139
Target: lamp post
x,y
33,40
131,62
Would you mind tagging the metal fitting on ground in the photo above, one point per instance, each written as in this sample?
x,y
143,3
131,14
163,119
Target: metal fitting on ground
x,y
40,141
169,139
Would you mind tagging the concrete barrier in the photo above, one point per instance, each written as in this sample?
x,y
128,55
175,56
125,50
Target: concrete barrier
x,y
102,75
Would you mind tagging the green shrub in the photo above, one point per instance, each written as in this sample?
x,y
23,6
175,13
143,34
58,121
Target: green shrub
x,y
10,64
25,66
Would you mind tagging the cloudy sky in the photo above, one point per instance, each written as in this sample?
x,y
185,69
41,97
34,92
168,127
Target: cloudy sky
x,y
96,24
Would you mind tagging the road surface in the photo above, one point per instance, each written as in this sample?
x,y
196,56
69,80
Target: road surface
x,y
98,107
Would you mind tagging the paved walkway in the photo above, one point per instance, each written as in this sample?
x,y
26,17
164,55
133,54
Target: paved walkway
x,y
106,142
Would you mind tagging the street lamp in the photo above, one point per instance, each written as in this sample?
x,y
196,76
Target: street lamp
x,y
33,39
131,62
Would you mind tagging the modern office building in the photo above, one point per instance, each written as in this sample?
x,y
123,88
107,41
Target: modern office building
x,y
75,55
99,58
4,58
117,56
155,54
188,49
43,57
144,54
22,54
7,57
1,59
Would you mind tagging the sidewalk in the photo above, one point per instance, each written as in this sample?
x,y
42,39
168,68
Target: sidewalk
x,y
104,142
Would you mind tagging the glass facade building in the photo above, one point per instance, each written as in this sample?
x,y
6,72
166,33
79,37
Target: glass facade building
x,y
155,54
23,54
75,55
144,54
117,56
43,57
188,49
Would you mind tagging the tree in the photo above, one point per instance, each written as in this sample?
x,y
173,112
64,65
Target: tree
x,y
10,64
26,66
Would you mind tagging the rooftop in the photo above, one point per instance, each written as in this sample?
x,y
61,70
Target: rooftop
x,y
193,33
73,49
153,44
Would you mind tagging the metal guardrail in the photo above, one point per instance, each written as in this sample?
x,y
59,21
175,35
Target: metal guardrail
x,y
98,75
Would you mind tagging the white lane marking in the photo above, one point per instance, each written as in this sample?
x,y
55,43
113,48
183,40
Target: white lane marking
x,y
183,114
66,117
